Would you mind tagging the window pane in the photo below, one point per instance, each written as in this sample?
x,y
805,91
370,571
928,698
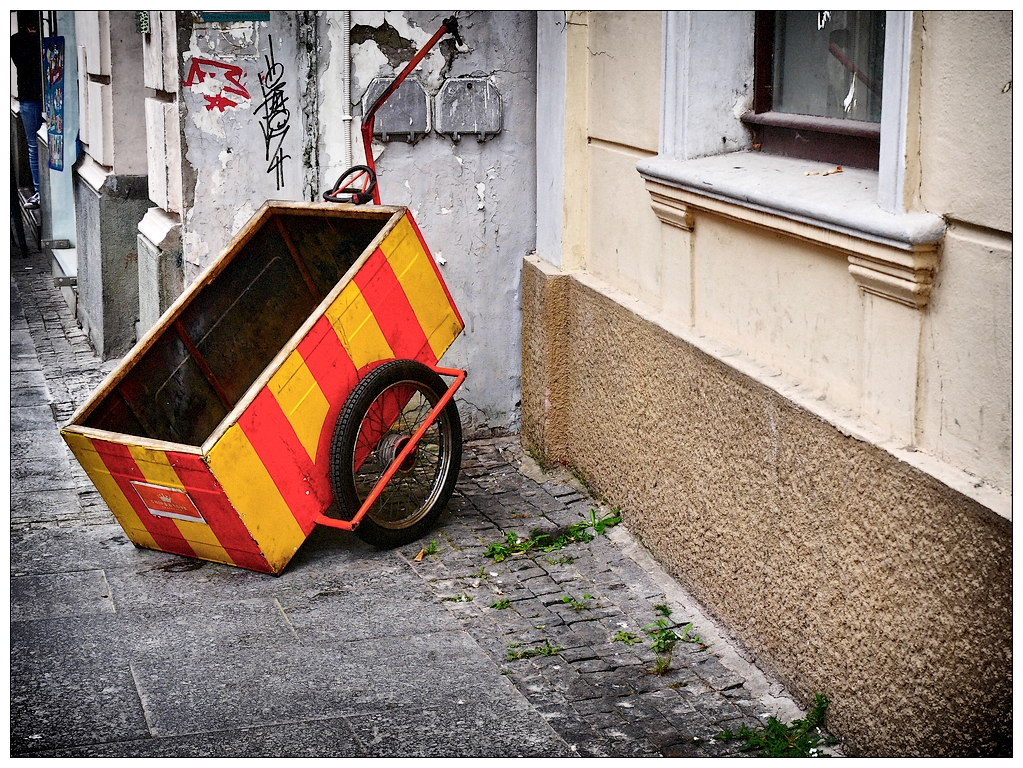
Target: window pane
x,y
829,63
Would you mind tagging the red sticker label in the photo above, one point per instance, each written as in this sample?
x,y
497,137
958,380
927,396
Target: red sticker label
x,y
162,501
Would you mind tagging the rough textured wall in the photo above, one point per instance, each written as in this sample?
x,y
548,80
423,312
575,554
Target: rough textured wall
x,y
843,570
475,202
244,139
544,407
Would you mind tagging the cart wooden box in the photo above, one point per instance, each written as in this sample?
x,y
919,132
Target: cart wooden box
x,y
213,437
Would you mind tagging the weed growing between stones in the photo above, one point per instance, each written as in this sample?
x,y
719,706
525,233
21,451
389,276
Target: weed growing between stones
x,y
800,738
578,605
541,650
664,637
563,560
550,541
629,638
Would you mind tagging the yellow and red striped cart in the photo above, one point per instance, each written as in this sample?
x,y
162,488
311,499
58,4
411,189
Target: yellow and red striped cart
x,y
295,384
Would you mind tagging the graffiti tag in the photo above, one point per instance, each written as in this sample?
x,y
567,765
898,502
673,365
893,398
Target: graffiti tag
x,y
232,74
275,115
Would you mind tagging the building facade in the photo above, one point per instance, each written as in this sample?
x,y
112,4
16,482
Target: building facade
x,y
793,374
758,300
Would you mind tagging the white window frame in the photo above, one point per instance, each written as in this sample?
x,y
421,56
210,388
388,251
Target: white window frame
x,y
708,84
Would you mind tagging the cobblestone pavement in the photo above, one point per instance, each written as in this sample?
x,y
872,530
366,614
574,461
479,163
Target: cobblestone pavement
x,y
601,696
547,649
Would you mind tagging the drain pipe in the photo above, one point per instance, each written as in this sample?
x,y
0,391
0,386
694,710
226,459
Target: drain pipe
x,y
346,85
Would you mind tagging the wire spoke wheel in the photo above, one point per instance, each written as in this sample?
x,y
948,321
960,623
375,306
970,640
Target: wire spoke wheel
x,y
378,420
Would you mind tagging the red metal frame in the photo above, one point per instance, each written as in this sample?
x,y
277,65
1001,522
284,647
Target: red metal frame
x,y
449,25
370,116
351,525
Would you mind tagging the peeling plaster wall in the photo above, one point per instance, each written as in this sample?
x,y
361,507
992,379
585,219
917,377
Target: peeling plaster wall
x,y
232,124
475,202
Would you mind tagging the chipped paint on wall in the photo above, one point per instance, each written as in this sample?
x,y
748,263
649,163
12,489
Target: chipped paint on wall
x,y
242,148
475,202
374,61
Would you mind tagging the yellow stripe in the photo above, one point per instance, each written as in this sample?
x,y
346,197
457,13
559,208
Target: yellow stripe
x,y
203,550
357,329
157,469
249,487
94,467
411,265
302,401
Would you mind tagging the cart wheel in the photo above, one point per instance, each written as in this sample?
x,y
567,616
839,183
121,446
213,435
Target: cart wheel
x,y
383,411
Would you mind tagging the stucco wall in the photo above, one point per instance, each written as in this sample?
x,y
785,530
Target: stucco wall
x,y
474,201
845,571
237,153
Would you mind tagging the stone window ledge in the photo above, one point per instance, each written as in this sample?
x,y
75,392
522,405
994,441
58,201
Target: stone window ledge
x,y
890,255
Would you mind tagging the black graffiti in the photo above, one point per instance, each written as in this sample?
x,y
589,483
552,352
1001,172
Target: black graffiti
x,y
275,115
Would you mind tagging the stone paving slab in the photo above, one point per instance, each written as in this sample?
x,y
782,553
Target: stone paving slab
x,y
78,706
118,651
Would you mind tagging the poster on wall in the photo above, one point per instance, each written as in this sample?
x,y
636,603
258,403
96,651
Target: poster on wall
x,y
53,99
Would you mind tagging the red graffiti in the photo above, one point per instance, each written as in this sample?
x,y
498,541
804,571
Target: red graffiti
x,y
218,102
232,73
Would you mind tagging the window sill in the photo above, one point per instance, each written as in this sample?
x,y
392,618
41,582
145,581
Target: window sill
x,y
891,255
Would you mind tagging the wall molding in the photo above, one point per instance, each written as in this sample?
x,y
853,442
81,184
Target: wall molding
x,y
893,256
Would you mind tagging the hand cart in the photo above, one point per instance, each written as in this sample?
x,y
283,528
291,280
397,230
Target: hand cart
x,y
294,384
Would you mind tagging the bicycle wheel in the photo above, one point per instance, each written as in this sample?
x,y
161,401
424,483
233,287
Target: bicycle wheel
x,y
379,417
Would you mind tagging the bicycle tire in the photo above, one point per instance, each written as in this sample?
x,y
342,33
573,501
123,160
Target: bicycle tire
x,y
383,410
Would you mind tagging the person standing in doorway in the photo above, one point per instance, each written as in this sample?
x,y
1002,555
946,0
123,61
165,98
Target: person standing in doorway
x,y
26,53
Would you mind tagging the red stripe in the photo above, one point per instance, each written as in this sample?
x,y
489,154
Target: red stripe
x,y
436,269
390,306
119,462
329,363
379,419
305,489
223,519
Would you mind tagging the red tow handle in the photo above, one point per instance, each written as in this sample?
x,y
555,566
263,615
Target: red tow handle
x,y
449,25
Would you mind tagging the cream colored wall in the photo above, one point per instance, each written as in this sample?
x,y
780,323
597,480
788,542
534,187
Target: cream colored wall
x,y
623,63
788,304
966,117
625,78
966,176
935,377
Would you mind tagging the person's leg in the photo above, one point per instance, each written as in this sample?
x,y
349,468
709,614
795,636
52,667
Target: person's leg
x,y
32,119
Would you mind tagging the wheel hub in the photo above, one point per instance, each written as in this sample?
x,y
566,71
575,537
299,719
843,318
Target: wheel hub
x,y
391,445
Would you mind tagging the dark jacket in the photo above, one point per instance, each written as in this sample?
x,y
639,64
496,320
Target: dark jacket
x,y
27,57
